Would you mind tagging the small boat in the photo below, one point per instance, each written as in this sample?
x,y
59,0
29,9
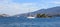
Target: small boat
x,y
30,17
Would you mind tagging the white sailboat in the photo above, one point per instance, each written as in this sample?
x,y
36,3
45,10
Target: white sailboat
x,y
31,17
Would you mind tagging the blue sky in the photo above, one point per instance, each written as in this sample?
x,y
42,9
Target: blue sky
x,y
13,7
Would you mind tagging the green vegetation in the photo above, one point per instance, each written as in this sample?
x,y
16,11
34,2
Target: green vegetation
x,y
42,15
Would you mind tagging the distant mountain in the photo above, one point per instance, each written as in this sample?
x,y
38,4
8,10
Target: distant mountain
x,y
49,11
53,11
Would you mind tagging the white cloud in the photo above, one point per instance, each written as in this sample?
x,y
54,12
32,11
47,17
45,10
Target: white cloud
x,y
56,2
9,7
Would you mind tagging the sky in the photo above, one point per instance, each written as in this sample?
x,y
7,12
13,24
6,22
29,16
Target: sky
x,y
13,7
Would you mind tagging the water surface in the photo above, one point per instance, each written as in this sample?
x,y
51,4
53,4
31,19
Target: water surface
x,y
25,22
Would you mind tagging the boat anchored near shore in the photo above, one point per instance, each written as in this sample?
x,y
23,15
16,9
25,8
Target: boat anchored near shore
x,y
30,17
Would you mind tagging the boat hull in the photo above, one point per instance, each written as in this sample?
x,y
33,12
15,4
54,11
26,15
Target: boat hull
x,y
31,17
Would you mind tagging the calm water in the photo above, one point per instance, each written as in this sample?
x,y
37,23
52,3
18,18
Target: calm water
x,y
25,22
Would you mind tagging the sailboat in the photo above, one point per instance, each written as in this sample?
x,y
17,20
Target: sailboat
x,y
31,17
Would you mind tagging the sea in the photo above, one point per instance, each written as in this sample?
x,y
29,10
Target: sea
x,y
26,22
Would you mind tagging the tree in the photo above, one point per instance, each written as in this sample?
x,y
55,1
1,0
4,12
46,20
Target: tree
x,y
41,15
38,15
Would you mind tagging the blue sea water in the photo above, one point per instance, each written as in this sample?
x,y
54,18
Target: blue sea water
x,y
25,22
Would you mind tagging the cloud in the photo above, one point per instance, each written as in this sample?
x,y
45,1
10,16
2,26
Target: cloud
x,y
56,2
12,8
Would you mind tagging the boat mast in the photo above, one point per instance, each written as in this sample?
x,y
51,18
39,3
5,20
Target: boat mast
x,y
29,13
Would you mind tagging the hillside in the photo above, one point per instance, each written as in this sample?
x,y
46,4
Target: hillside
x,y
49,11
